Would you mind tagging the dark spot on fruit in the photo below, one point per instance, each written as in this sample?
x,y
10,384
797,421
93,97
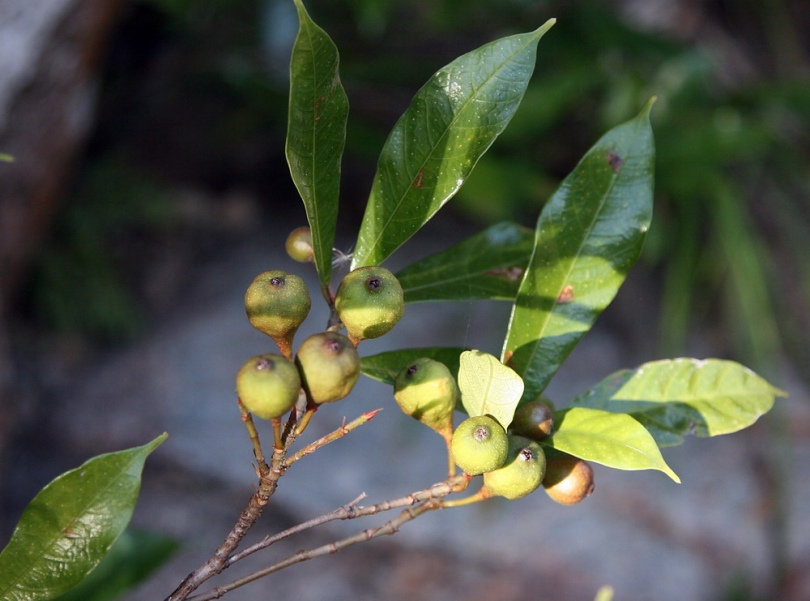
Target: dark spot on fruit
x,y
373,284
277,282
481,433
332,346
263,364
413,369
526,454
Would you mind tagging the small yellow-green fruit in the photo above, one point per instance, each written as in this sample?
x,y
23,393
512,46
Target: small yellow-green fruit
x,y
479,445
276,303
533,420
568,480
369,302
521,474
299,245
329,366
268,385
427,391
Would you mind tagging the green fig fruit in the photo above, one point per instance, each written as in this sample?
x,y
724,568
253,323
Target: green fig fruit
x,y
268,385
276,303
369,302
521,474
329,366
533,420
299,245
479,445
568,480
427,391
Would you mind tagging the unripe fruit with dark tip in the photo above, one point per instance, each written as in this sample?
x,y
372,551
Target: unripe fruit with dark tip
x,y
369,302
427,391
533,420
276,303
521,474
568,480
299,245
479,445
329,366
268,385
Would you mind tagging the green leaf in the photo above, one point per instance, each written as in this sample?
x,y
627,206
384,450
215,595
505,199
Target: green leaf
x,y
434,146
681,397
70,525
488,387
488,265
6,158
588,236
612,439
133,557
385,366
316,133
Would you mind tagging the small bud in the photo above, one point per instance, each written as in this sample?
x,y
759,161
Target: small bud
x,y
299,245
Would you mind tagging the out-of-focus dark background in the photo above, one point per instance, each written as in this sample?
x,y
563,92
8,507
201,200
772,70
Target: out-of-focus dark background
x,y
149,184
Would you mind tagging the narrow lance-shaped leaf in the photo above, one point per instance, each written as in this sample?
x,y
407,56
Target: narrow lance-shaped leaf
x,y
488,387
588,236
488,265
70,525
316,133
612,439
385,366
432,149
681,397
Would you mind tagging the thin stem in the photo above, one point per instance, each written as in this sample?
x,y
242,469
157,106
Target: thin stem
x,y
342,431
268,482
389,527
351,511
247,419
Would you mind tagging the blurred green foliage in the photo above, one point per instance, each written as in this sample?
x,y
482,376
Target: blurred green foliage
x,y
729,238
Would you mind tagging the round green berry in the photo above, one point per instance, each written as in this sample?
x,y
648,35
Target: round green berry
x,y
427,391
329,366
479,445
276,303
521,473
369,302
268,385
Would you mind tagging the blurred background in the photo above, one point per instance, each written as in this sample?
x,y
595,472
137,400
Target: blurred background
x,y
148,185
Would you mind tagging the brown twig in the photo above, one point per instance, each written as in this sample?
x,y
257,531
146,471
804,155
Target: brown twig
x,y
331,437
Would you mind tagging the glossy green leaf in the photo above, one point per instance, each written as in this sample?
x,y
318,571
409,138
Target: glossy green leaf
x,y
70,525
316,133
487,386
612,439
488,265
451,122
588,236
133,557
681,397
385,366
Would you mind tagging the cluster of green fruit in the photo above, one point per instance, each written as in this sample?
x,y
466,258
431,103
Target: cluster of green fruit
x,y
368,303
512,462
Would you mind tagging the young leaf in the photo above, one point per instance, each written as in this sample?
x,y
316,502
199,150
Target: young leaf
x,y
385,366
588,236
316,133
70,525
488,265
488,387
612,439
679,397
434,146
